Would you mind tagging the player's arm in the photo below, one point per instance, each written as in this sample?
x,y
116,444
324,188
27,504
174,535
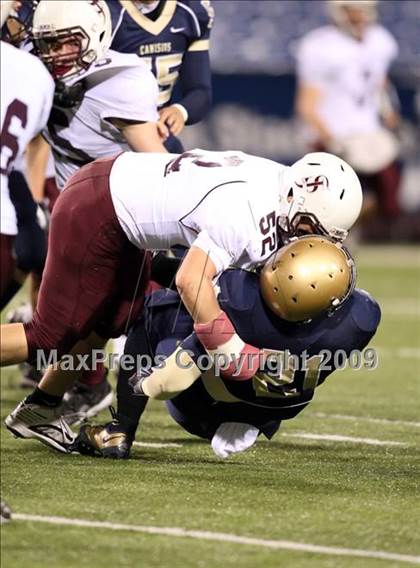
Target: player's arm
x,y
133,110
196,91
313,69
37,151
194,75
389,106
308,99
37,154
194,281
140,136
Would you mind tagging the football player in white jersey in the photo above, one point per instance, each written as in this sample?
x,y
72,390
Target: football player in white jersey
x,y
228,208
342,95
105,101
24,113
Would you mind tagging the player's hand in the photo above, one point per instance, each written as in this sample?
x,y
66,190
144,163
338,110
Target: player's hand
x,y
391,120
335,147
173,118
163,130
136,381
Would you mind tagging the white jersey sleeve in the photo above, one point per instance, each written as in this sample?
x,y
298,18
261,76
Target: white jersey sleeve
x,y
223,219
131,95
311,66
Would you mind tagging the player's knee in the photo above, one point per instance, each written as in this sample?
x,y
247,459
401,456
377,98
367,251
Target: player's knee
x,y
45,343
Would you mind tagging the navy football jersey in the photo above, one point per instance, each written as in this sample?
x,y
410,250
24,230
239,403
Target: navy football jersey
x,y
282,397
162,39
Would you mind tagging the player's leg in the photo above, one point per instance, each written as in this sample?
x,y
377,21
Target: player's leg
x,y
92,392
8,287
39,415
83,273
30,242
13,346
114,439
85,247
388,186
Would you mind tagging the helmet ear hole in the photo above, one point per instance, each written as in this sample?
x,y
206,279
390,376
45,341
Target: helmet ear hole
x,y
342,194
290,194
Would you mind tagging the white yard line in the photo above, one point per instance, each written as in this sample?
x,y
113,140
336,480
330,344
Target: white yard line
x,y
405,307
223,537
301,435
157,445
400,352
365,419
338,438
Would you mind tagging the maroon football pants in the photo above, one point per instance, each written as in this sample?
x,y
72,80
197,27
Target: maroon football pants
x,y
7,262
94,278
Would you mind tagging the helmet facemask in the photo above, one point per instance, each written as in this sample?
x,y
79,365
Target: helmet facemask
x,y
70,35
298,222
65,65
320,194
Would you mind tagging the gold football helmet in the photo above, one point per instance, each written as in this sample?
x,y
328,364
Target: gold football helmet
x,y
308,276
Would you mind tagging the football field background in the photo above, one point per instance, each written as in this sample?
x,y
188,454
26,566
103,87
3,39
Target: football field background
x,y
345,474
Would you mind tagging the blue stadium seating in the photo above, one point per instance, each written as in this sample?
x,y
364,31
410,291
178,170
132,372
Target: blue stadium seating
x,y
258,36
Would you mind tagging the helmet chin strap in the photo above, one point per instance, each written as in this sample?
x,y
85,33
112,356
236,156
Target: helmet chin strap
x,y
67,96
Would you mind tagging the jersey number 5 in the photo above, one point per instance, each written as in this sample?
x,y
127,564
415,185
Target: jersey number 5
x,y
166,70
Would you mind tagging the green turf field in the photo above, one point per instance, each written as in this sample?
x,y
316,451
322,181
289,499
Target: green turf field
x,y
353,484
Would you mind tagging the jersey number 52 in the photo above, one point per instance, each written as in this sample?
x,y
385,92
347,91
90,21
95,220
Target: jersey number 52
x,y
269,229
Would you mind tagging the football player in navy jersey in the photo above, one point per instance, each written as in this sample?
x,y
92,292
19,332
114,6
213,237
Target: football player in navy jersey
x,y
233,413
173,38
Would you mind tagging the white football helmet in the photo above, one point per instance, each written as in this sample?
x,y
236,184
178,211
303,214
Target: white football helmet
x,y
6,7
85,24
340,16
320,190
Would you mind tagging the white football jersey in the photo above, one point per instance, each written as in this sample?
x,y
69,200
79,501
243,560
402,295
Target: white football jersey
x,y
27,91
349,73
118,86
226,203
